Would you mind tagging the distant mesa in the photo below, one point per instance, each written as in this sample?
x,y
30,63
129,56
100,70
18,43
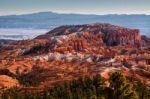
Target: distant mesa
x,y
110,35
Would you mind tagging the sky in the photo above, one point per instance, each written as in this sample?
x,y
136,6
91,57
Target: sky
x,y
99,7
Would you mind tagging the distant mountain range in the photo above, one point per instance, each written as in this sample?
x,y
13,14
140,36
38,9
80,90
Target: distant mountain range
x,y
50,20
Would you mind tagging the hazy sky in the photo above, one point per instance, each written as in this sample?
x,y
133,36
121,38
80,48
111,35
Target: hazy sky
x,y
75,6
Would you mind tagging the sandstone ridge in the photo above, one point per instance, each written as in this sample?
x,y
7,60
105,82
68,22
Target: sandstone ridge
x,y
111,35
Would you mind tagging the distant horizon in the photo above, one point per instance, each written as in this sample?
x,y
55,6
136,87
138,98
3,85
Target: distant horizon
x,y
27,13
96,7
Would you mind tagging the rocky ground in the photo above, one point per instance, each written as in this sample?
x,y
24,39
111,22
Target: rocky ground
x,y
71,52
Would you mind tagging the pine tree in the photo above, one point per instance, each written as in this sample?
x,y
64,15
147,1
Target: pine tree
x,y
120,87
143,91
98,80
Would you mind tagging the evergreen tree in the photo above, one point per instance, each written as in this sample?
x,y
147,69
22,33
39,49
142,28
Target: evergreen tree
x,y
90,88
121,88
143,91
98,80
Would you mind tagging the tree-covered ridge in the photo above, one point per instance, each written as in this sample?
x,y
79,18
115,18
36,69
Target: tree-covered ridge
x,y
117,87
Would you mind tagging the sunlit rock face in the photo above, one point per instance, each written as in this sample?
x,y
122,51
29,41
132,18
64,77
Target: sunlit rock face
x,y
6,81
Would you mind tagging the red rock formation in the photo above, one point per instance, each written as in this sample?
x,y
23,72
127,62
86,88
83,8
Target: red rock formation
x,y
112,35
6,81
71,52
